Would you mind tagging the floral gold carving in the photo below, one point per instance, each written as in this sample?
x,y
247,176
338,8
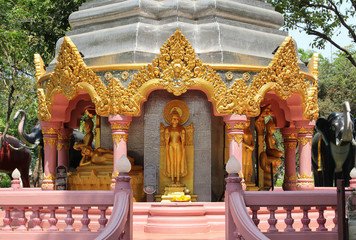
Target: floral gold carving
x,y
40,67
50,141
108,76
177,69
229,75
239,125
290,136
246,76
49,131
70,76
304,141
290,178
237,137
60,146
305,176
120,126
117,138
304,130
125,75
49,177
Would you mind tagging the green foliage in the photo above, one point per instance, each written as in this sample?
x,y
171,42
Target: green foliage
x,y
337,84
321,18
5,180
27,27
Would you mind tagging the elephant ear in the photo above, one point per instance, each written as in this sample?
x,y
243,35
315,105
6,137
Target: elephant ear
x,y
322,125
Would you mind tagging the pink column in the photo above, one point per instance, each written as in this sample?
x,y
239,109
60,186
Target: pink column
x,y
305,176
235,125
64,136
290,146
50,139
120,125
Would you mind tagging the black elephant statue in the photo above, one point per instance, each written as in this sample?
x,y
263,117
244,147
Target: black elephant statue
x,y
10,158
35,138
334,147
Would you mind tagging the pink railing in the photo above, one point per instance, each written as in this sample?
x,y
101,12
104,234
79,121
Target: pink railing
x,y
310,206
55,203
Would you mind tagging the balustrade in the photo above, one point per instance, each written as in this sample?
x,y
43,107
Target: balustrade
x,y
306,214
52,211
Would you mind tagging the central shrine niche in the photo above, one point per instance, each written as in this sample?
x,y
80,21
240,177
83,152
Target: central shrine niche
x,y
144,142
176,152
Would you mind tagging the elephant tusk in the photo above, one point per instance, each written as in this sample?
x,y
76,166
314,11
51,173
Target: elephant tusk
x,y
22,146
353,142
338,142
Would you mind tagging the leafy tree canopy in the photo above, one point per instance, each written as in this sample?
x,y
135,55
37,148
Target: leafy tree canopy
x,y
321,18
27,27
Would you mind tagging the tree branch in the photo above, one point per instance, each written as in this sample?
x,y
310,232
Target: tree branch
x,y
342,21
327,38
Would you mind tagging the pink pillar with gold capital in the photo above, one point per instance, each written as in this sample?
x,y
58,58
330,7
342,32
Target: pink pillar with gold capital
x,y
235,125
63,145
120,125
50,139
290,146
305,176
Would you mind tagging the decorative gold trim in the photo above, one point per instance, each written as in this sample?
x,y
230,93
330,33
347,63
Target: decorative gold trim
x,y
290,145
178,105
229,76
50,141
50,131
304,130
60,146
290,136
313,65
117,138
290,178
40,67
120,126
305,176
125,75
239,125
70,76
215,66
304,141
49,177
177,69
237,137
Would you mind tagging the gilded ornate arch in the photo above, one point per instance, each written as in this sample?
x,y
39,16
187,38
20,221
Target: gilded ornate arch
x,y
70,76
178,69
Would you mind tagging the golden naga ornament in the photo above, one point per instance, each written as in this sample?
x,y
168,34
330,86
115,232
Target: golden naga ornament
x,y
176,69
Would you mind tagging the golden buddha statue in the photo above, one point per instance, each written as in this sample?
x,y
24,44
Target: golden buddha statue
x,y
175,138
98,156
272,155
87,140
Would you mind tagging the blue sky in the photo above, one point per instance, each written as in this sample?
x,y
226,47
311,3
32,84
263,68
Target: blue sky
x,y
304,41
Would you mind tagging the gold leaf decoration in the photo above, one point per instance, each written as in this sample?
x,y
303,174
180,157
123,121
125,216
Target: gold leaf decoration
x,y
177,69
69,77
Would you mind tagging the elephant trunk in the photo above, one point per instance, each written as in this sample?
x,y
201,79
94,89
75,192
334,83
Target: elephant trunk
x,y
348,129
34,137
